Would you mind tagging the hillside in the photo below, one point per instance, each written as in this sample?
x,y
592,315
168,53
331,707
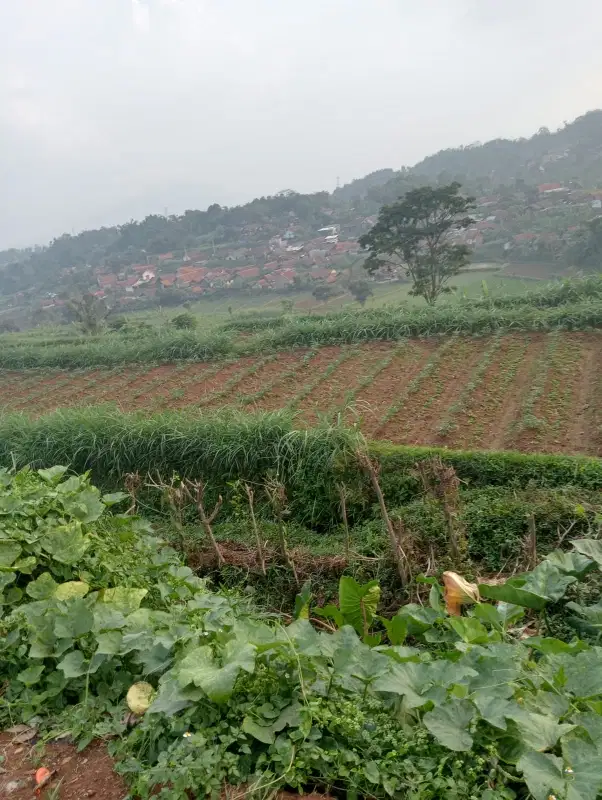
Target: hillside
x,y
573,153
537,199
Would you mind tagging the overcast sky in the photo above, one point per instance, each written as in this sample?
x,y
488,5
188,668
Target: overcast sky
x,y
112,109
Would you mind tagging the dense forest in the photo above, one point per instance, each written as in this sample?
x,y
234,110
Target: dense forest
x,y
572,155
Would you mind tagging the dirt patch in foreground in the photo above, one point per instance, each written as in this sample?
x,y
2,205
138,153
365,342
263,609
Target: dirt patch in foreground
x,y
81,775
78,776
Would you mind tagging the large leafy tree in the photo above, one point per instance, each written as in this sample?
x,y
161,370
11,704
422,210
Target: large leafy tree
x,y
419,234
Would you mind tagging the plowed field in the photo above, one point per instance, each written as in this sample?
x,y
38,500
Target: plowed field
x,y
530,392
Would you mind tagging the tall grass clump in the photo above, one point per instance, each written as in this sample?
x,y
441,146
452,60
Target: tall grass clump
x,y
227,446
219,448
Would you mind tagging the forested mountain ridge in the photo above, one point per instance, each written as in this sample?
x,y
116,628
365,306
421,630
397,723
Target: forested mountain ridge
x,y
573,153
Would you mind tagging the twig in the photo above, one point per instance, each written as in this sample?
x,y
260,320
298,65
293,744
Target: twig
x,y
401,559
198,487
342,489
260,550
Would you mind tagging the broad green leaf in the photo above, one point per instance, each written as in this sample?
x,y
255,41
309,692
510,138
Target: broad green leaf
x,y
263,733
449,724
31,675
43,587
548,581
583,673
52,475
592,723
65,543
71,590
507,593
86,506
553,646
171,698
6,578
26,565
585,780
409,679
470,630
288,717
591,548
12,596
551,703
372,772
75,621
115,497
419,619
202,669
107,618
396,627
542,773
304,637
488,614
125,600
9,552
510,613
358,603
494,705
401,653
109,643
573,563
73,665
155,659
537,731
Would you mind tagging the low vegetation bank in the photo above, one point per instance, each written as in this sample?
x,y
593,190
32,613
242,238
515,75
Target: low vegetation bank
x,y
105,632
291,331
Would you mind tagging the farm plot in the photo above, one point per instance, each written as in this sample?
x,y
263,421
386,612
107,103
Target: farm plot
x,y
534,392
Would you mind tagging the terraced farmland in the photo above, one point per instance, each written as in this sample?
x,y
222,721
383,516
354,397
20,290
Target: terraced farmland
x,y
531,392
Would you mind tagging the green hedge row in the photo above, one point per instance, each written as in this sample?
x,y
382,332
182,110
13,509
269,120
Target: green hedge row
x,y
223,447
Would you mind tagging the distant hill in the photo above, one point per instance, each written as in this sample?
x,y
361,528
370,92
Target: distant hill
x,y
571,156
573,153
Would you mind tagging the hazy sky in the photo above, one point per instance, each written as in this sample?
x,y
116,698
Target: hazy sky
x,y
112,109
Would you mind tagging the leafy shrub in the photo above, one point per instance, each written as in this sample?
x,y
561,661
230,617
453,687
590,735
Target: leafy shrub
x,y
185,321
497,521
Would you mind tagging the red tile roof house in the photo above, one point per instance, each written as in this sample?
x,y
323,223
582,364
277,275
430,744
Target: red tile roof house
x,y
525,237
105,281
246,273
544,188
192,274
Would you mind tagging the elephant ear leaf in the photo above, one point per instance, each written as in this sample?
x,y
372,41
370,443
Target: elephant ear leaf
x,y
358,602
546,584
592,548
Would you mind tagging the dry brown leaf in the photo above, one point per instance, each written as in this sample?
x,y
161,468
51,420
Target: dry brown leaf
x,y
458,592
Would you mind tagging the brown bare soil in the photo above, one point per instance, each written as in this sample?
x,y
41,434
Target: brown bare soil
x,y
462,392
372,402
286,389
77,776
429,404
329,395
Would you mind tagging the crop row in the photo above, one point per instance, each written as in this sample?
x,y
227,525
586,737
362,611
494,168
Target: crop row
x,y
521,391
